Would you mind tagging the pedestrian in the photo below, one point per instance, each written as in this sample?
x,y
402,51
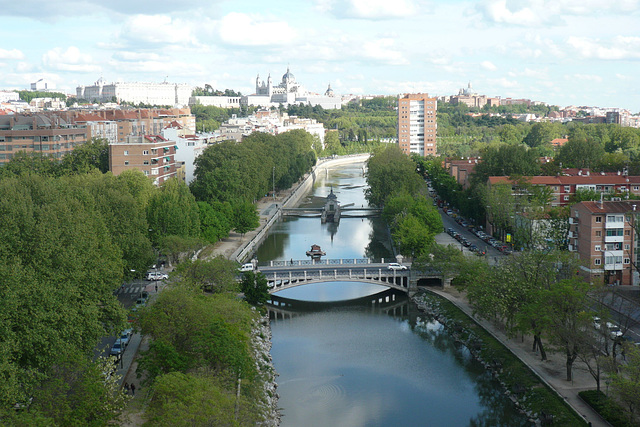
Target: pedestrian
x,y
126,388
156,288
291,261
133,389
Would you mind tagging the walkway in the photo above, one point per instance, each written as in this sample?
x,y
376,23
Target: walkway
x,y
552,371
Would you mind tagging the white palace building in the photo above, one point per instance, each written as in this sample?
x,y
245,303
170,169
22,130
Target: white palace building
x,y
136,92
289,92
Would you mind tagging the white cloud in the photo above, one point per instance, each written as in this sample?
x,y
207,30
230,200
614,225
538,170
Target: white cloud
x,y
368,9
245,30
23,67
69,60
157,29
548,12
11,54
619,48
584,77
530,73
503,82
136,56
383,50
488,65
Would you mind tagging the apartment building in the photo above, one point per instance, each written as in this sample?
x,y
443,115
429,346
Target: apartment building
x,y
154,155
136,122
603,235
49,135
417,124
461,169
561,188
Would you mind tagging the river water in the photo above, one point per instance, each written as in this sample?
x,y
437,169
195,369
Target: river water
x,y
345,362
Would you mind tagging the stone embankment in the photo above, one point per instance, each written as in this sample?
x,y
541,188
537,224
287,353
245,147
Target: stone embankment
x,y
238,247
261,343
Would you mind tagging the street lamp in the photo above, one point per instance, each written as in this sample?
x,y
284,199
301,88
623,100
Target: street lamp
x,y
274,183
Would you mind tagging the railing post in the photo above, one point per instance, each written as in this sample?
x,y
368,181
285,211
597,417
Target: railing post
x,y
305,275
335,274
349,273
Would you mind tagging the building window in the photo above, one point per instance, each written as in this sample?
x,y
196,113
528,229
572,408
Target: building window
x,y
626,246
567,188
145,152
126,152
598,248
154,172
146,162
626,260
598,233
627,232
566,198
597,261
146,173
636,188
126,162
598,219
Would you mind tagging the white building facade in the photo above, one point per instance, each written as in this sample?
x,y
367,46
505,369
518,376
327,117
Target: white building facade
x,y
164,93
288,92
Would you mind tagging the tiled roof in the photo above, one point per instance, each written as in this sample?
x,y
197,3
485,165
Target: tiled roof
x,y
609,207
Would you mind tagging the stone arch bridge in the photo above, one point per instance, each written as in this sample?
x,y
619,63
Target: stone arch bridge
x,y
283,275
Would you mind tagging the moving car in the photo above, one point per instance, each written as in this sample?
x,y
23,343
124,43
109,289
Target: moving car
x,y
246,267
156,275
396,266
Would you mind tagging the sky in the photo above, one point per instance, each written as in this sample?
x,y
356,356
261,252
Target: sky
x,y
563,52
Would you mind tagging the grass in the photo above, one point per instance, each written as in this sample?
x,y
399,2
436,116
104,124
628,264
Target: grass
x,y
607,408
535,396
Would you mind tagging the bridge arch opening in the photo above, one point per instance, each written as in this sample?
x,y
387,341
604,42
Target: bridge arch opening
x,y
430,282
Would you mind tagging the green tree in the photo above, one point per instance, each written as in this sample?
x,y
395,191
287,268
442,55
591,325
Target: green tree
x,y
390,171
245,217
172,211
540,134
625,383
581,151
85,157
255,288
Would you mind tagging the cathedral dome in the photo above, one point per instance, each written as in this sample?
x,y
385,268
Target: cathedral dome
x,y
288,76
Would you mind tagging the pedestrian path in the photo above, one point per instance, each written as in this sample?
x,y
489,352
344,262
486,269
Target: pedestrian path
x,y
551,371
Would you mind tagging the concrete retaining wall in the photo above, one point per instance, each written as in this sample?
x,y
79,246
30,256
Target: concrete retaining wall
x,y
310,179
243,253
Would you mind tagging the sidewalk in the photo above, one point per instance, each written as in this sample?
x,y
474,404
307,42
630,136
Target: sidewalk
x,y
552,371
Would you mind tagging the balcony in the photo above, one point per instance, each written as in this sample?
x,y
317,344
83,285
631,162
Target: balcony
x,y
573,221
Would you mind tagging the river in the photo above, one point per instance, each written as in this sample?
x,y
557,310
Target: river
x,y
344,362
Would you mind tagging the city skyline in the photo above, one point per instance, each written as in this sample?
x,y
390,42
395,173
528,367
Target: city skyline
x,y
562,52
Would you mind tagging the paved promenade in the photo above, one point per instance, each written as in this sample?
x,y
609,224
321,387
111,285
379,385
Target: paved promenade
x,y
552,371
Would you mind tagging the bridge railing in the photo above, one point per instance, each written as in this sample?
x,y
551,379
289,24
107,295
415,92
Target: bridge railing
x,y
344,261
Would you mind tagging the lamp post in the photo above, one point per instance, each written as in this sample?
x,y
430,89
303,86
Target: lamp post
x,y
274,183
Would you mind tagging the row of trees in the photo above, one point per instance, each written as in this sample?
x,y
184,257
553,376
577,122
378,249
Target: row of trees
x,y
395,186
246,171
540,293
200,365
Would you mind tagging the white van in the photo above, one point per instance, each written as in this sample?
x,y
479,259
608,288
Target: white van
x,y
156,275
246,267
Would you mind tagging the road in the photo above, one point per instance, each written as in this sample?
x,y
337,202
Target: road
x,y
127,295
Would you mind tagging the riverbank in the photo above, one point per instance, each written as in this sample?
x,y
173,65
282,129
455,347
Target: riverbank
x,y
551,371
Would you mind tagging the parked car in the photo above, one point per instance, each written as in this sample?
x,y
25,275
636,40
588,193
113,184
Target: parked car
x,y
117,348
396,266
125,336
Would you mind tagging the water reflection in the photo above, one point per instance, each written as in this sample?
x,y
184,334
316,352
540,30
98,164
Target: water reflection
x,y
358,363
345,361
